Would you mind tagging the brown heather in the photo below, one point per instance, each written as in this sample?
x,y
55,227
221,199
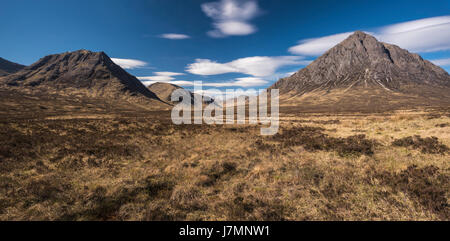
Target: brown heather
x,y
97,167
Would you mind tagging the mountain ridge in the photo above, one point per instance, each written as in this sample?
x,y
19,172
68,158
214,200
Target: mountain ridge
x,y
8,67
80,72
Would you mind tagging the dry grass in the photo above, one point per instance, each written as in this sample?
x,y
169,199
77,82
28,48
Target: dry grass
x,y
319,167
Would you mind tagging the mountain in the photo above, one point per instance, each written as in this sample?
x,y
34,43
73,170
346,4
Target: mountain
x,y
79,73
164,92
362,73
7,67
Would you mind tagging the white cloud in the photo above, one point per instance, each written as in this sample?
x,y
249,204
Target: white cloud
x,y
168,73
156,78
258,66
415,25
423,35
238,82
174,36
264,66
233,28
231,17
160,77
208,67
318,46
249,82
129,63
441,62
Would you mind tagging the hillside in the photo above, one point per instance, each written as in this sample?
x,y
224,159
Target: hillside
x,y
71,82
165,90
7,67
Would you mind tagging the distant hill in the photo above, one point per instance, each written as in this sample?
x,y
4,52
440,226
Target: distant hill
x,y
83,73
362,73
7,67
165,90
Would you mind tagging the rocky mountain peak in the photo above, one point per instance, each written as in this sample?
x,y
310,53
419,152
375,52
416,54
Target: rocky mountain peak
x,y
82,71
361,61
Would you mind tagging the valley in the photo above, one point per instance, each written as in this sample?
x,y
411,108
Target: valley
x,y
141,167
364,134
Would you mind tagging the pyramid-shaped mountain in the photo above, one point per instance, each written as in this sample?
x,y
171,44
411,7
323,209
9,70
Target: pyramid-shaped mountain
x,y
361,60
7,67
83,72
363,72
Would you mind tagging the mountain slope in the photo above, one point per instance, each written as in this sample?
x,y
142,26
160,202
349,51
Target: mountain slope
x,y
164,92
7,67
362,73
82,72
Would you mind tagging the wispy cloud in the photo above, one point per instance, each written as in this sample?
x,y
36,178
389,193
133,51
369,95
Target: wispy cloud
x,y
317,46
156,78
423,35
174,36
258,66
241,82
238,82
129,63
231,17
441,62
168,73
160,77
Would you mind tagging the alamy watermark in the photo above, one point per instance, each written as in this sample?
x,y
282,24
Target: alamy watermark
x,y
234,105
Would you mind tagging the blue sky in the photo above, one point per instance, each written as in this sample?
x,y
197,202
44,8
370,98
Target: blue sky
x,y
224,43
